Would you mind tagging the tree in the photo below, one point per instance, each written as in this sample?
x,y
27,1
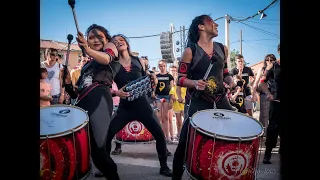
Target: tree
x,y
233,54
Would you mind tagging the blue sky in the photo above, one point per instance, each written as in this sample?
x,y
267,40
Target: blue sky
x,y
142,17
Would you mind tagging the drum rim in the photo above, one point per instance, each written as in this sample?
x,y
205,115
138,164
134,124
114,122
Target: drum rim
x,y
64,133
229,138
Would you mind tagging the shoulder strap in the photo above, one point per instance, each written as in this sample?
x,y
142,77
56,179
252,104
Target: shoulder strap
x,y
135,60
193,48
219,48
196,55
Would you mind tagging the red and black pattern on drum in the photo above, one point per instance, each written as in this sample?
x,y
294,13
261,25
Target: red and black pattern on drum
x,y
190,148
228,161
51,159
82,151
134,131
69,159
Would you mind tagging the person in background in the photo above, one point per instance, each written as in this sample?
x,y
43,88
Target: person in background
x,y
75,73
45,89
264,103
165,83
244,72
237,98
54,76
173,72
272,74
178,95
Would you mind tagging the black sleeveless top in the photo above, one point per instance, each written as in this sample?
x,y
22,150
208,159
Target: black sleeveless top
x,y
123,76
94,72
215,78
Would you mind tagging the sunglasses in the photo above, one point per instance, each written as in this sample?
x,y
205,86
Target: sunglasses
x,y
144,57
270,60
53,54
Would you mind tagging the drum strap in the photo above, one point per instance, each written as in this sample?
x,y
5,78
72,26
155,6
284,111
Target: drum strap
x,y
84,92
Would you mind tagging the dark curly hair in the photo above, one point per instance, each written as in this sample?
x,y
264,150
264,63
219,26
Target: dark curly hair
x,y
100,28
193,33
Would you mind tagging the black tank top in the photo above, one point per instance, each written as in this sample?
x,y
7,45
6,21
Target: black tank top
x,y
126,75
215,78
94,72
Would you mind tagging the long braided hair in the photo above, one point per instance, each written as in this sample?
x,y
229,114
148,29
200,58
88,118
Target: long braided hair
x,y
193,33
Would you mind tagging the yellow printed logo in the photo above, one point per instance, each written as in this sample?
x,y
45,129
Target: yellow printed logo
x,y
240,101
162,85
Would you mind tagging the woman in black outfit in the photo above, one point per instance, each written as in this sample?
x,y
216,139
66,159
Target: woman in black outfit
x,y
92,93
131,69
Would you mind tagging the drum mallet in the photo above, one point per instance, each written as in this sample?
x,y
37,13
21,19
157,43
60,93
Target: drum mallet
x,y
72,3
65,70
205,77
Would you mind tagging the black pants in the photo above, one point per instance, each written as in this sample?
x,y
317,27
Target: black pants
x,y
99,105
273,129
139,110
194,106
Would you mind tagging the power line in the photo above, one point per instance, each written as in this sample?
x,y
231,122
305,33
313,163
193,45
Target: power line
x,y
261,30
249,40
263,23
262,44
259,12
137,37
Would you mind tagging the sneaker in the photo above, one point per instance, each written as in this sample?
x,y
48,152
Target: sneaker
x,y
166,171
117,151
98,174
267,158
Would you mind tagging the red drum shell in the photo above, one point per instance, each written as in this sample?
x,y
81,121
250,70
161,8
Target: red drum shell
x,y
134,131
65,151
209,157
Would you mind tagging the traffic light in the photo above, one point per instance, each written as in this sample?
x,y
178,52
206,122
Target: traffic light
x,y
166,46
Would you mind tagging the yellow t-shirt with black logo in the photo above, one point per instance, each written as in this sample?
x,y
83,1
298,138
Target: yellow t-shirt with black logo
x,y
176,106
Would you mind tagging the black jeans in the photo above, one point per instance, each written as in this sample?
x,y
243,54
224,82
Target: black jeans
x,y
194,106
99,105
139,110
273,129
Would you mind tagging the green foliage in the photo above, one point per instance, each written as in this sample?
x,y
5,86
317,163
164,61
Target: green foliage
x,y
233,54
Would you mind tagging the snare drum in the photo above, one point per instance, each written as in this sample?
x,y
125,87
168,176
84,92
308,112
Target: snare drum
x,y
64,143
222,145
134,131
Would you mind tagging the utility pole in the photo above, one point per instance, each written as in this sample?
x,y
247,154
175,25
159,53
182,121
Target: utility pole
x,y
181,41
173,44
227,41
241,41
184,37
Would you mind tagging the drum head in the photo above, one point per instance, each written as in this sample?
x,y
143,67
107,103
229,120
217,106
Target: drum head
x,y
60,118
227,123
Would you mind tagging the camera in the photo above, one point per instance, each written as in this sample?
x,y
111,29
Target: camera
x,y
240,83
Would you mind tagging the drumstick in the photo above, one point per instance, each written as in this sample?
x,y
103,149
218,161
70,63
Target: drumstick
x,y
205,77
72,3
65,70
